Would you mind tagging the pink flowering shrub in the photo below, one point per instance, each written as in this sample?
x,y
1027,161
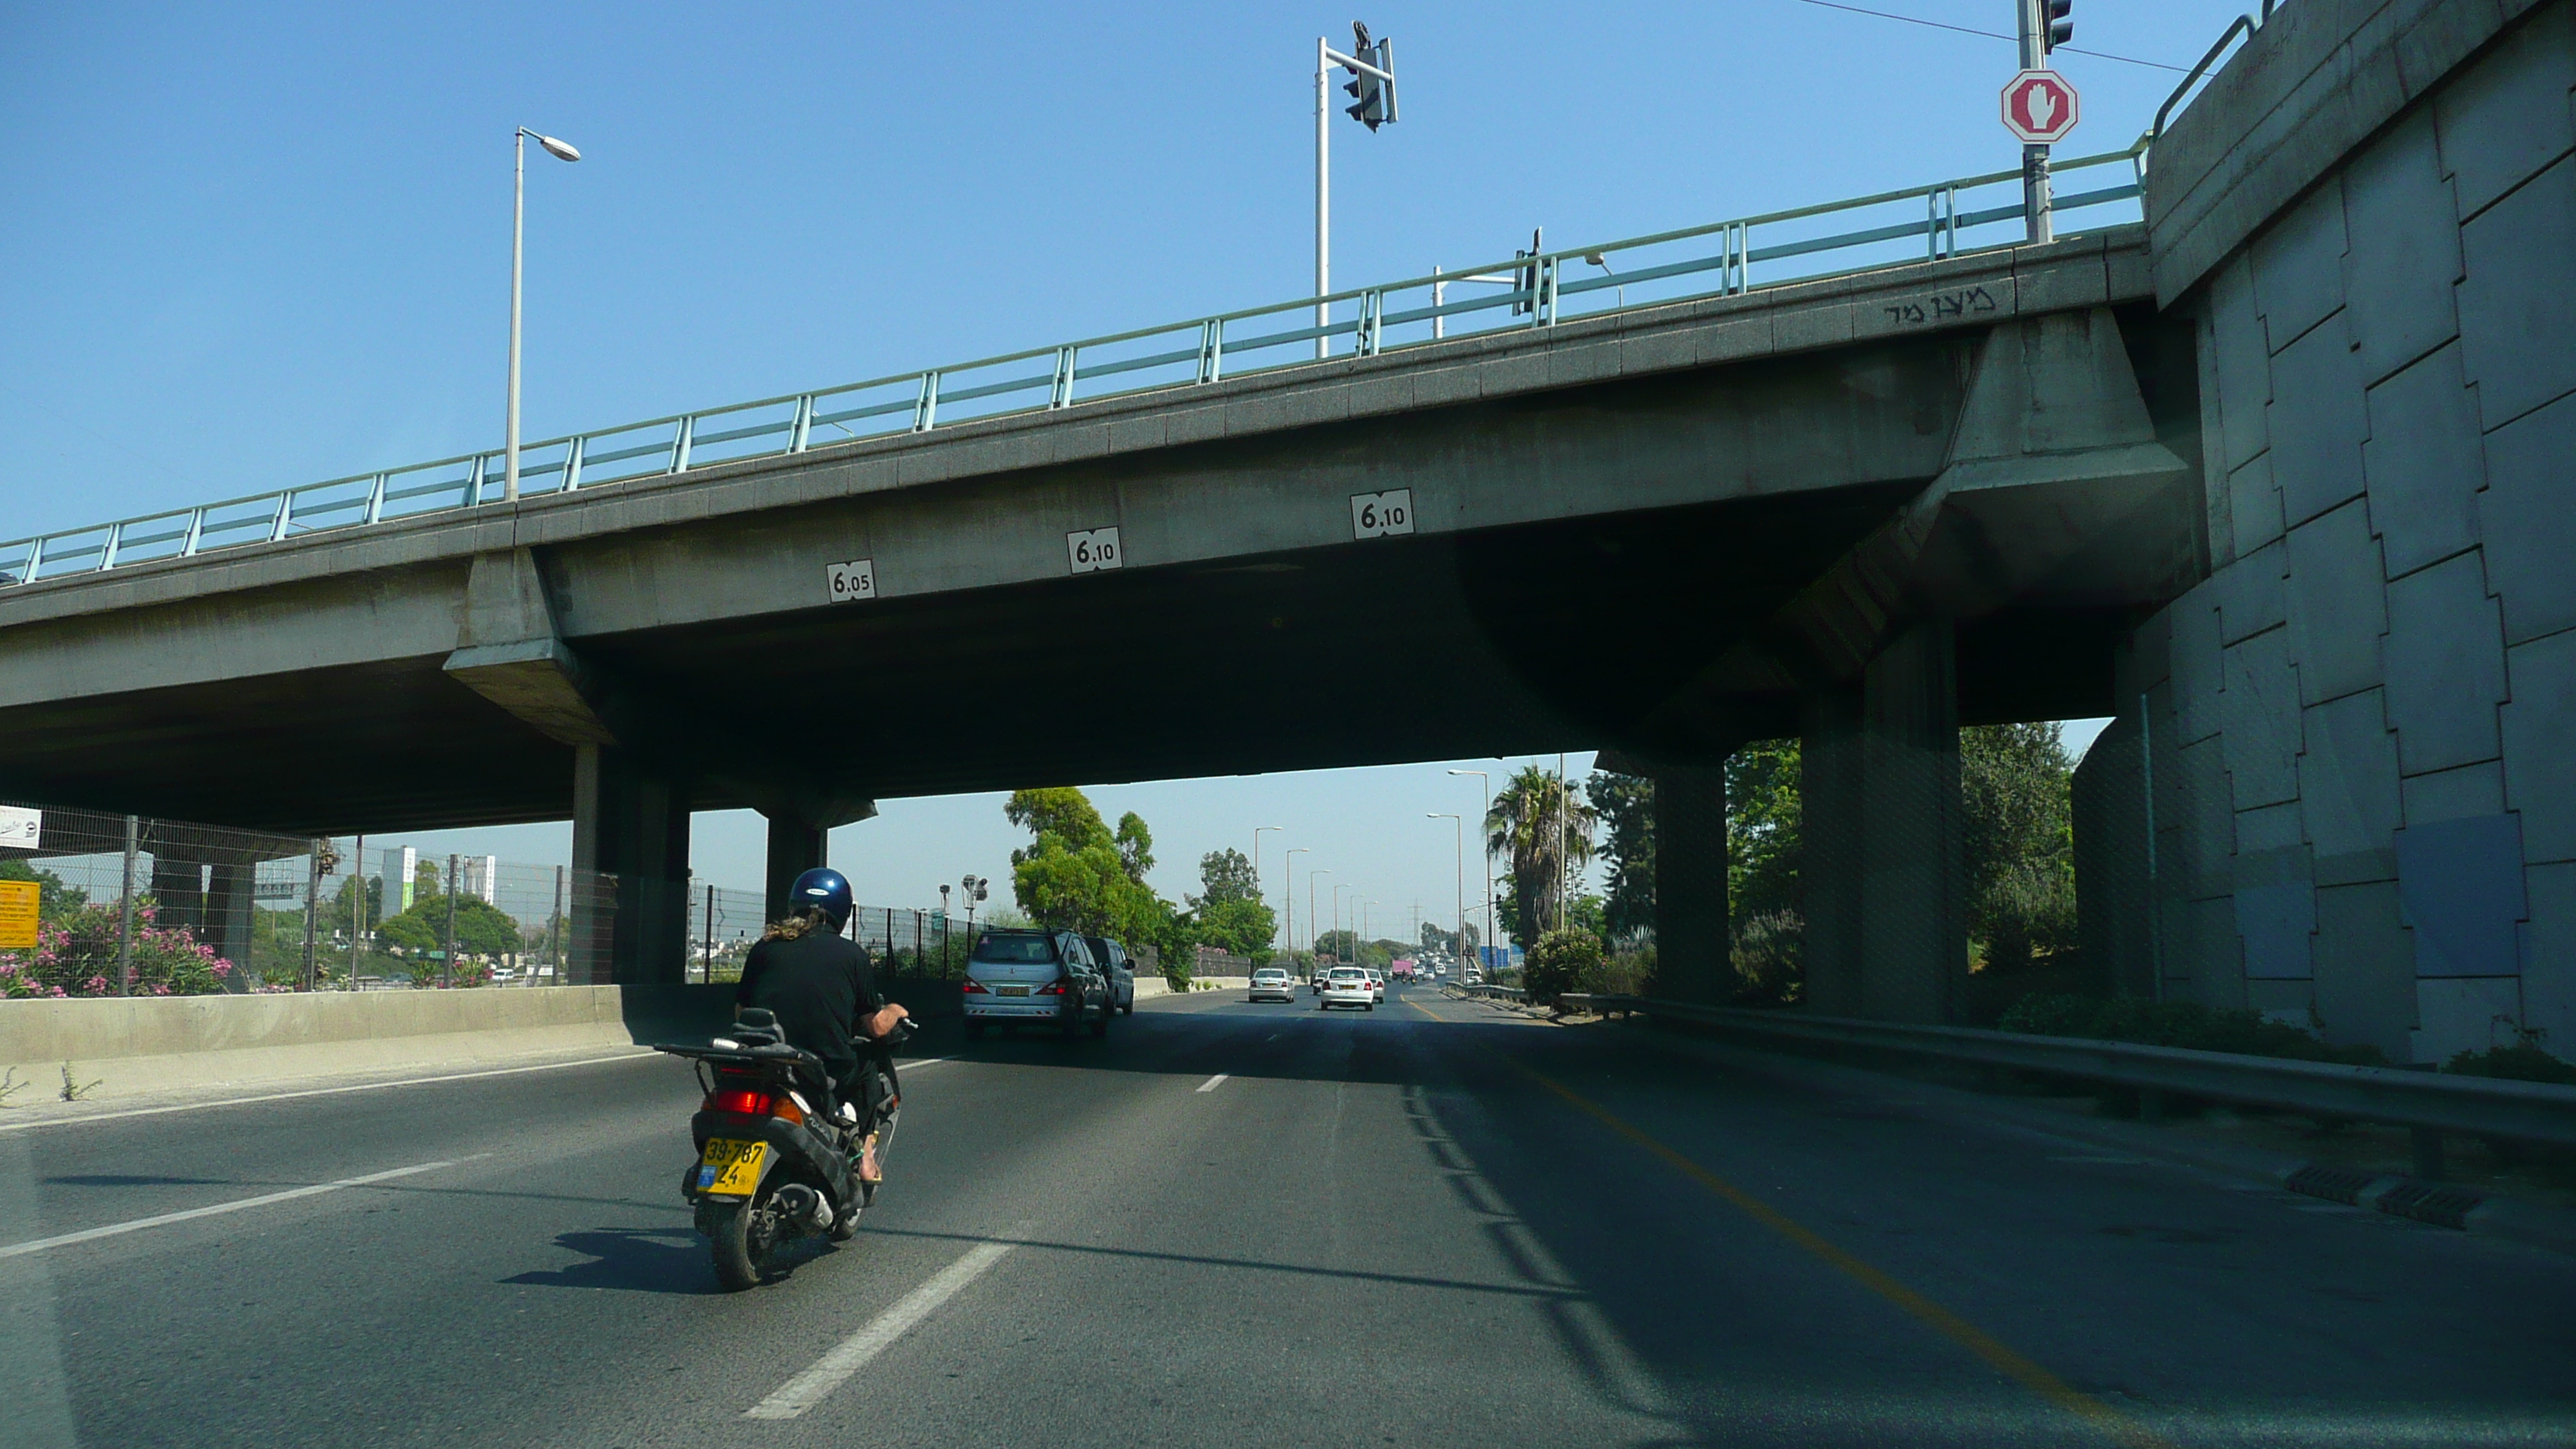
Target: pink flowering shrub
x,y
76,956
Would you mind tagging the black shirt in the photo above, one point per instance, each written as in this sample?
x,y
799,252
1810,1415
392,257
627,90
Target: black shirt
x,y
818,986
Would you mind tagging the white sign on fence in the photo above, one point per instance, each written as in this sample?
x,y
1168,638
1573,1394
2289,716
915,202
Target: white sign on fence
x,y
1377,515
854,580
1092,549
21,828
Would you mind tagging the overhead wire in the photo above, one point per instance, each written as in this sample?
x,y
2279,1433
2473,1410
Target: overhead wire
x,y
1992,34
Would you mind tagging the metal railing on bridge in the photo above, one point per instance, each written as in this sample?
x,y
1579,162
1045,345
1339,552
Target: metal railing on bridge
x,y
1945,219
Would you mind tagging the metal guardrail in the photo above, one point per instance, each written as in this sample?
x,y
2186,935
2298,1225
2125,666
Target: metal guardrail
x,y
2427,1101
1529,291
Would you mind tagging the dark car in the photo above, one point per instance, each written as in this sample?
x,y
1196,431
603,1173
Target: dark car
x,y
1036,978
1112,956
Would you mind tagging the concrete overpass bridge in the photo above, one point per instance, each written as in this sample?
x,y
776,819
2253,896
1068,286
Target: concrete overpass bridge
x,y
1985,484
1657,527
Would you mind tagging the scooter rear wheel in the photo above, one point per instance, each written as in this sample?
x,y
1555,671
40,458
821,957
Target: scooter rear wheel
x,y
739,1237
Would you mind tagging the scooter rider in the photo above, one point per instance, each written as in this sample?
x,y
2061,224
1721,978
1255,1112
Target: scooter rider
x,y
822,988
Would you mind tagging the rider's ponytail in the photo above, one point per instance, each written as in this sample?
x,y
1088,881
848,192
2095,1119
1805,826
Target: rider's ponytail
x,y
808,922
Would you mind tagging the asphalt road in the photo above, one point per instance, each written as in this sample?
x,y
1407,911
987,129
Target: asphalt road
x,y
1427,1225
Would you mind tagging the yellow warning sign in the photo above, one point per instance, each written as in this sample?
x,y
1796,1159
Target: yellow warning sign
x,y
18,915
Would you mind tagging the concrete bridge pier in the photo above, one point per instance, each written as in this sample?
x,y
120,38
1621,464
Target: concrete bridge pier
x,y
630,821
178,892
796,845
228,916
1693,960
1883,868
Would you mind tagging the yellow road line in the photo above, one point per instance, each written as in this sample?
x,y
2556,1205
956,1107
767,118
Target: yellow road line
x,y
2111,1422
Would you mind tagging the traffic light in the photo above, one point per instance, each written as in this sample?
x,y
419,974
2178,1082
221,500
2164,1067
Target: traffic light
x,y
2060,27
1373,97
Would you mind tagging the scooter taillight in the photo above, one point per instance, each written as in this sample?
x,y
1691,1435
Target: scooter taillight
x,y
749,1104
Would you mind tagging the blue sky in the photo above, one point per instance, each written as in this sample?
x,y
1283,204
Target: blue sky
x,y
244,246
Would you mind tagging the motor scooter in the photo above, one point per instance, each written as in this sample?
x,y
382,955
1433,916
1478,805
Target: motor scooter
x,y
777,1155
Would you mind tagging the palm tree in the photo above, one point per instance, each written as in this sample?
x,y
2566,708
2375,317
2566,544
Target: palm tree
x,y
1530,814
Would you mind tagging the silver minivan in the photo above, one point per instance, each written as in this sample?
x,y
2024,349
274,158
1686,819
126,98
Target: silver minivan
x,y
1035,978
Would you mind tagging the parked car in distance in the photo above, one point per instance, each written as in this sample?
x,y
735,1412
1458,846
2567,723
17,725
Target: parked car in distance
x,y
1473,977
1112,958
1270,983
1346,986
1035,978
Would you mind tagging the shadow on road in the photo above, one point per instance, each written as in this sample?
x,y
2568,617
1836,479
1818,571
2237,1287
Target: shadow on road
x,y
633,1260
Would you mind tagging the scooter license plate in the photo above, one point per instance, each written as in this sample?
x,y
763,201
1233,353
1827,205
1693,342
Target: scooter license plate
x,y
731,1169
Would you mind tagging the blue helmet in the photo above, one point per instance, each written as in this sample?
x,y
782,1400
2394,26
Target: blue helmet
x,y
823,889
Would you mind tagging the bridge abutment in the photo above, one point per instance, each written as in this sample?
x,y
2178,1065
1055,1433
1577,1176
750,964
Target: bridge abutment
x,y
2355,785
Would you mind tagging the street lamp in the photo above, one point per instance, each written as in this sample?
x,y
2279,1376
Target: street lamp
x,y
1488,784
1621,290
1459,828
1256,855
561,151
1337,913
1288,892
1310,904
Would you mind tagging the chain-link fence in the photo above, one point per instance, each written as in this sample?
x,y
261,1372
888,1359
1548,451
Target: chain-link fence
x,y
138,905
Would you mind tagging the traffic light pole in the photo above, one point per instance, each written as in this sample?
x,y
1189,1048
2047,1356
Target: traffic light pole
x,y
1325,59
1323,195
2034,159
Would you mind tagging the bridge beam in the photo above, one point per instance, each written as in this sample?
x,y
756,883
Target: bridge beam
x,y
1883,869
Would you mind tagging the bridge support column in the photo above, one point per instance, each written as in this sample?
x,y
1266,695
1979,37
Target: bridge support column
x,y
228,918
1883,870
1693,959
631,822
795,847
178,892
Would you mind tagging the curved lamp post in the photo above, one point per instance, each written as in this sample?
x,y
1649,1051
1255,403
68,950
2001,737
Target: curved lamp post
x,y
562,151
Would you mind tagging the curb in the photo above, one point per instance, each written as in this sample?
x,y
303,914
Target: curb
x,y
2444,1205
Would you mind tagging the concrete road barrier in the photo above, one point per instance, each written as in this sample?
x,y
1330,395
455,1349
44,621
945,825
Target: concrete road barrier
x,y
138,1045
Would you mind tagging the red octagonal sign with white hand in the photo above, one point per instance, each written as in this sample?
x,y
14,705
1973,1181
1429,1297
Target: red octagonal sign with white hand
x,y
2039,106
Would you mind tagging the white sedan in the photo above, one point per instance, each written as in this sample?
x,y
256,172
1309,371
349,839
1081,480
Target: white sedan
x,y
1347,986
1272,984
1377,983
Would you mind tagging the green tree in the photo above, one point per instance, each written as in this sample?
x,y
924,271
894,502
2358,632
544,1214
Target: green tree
x,y
1229,913
1763,816
1627,807
1562,961
1079,875
2019,844
1072,876
482,928
1540,826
